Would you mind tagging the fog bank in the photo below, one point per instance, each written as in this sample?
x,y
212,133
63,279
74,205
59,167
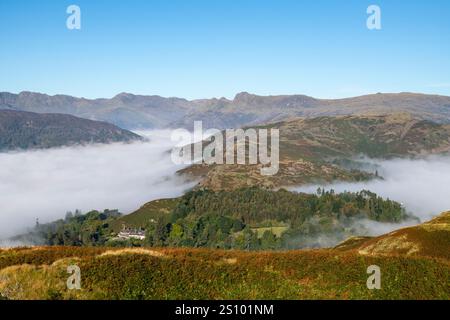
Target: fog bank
x,y
45,184
422,186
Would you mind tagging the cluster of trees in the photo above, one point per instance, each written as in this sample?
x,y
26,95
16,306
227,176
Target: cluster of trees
x,y
231,219
248,219
77,229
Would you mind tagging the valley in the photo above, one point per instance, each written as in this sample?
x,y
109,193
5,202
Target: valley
x,y
244,152
247,235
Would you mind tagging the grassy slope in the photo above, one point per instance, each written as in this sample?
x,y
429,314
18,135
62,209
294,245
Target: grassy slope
x,y
40,273
141,217
430,239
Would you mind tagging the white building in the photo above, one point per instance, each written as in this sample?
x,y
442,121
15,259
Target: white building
x,y
127,234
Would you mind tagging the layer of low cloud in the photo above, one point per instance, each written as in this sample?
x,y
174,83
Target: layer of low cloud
x,y
422,186
45,184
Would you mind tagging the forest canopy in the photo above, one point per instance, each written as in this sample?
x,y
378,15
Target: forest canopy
x,y
249,218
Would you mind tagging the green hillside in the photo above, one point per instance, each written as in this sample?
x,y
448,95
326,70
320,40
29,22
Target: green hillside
x,y
148,213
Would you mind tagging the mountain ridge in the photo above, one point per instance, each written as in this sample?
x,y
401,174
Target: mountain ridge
x,y
132,111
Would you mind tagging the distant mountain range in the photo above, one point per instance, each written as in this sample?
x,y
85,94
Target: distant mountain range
x,y
137,111
28,130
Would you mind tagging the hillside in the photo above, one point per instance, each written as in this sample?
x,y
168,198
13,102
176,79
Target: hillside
x,y
323,150
151,211
431,239
28,130
142,273
137,111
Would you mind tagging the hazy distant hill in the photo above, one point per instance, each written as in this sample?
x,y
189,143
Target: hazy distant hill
x,y
27,130
248,109
137,111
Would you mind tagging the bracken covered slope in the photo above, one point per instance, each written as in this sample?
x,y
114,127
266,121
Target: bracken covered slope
x,y
141,273
322,150
431,239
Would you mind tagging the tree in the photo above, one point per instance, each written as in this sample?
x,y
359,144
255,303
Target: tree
x,y
176,234
268,241
162,231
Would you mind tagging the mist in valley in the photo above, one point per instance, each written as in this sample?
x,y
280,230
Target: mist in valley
x,y
45,184
420,185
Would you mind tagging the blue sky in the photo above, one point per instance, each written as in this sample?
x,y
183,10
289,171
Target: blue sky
x,y
215,48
